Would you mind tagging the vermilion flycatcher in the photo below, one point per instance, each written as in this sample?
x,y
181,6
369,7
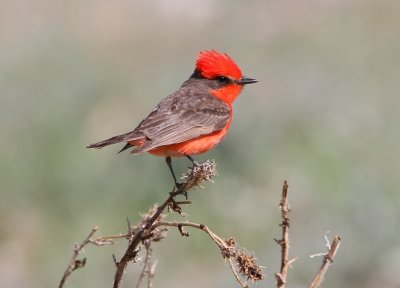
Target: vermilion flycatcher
x,y
192,120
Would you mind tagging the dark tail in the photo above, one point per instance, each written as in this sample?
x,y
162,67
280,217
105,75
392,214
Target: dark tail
x,y
127,137
113,140
107,142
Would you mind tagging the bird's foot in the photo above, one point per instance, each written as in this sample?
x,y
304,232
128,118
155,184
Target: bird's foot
x,y
180,187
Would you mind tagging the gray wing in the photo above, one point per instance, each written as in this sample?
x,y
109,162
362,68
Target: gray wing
x,y
184,115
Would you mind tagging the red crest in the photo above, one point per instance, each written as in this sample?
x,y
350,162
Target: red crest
x,y
212,63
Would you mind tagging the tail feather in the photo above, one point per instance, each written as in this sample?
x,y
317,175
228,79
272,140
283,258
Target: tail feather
x,y
107,142
116,139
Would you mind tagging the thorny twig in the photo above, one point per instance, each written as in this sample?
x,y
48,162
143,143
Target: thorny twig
x,y
75,263
284,241
328,260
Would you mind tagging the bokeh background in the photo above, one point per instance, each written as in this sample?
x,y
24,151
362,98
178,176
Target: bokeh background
x,y
324,116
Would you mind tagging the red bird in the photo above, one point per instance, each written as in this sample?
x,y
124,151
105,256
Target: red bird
x,y
195,118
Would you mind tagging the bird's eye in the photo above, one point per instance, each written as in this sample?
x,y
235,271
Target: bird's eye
x,y
223,79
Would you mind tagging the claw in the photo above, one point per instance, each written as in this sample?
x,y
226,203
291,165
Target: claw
x,y
180,188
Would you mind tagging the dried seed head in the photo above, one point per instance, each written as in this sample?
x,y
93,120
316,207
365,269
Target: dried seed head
x,y
198,173
248,266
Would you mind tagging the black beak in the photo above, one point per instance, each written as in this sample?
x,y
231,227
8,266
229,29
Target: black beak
x,y
246,80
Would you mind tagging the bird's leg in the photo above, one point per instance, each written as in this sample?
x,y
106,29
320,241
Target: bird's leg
x,y
195,163
169,163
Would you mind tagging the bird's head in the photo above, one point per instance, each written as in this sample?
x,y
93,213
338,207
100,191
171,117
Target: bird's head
x,y
221,69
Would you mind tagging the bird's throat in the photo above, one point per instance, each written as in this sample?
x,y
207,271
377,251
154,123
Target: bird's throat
x,y
228,94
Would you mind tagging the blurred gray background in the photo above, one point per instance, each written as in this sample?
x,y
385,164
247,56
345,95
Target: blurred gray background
x,y
324,116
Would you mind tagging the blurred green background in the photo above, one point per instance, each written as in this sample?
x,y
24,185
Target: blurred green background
x,y
324,116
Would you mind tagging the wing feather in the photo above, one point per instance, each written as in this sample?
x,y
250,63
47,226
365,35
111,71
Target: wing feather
x,y
184,115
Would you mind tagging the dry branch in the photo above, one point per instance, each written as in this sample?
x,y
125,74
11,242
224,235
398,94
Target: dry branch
x,y
284,241
75,263
328,260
